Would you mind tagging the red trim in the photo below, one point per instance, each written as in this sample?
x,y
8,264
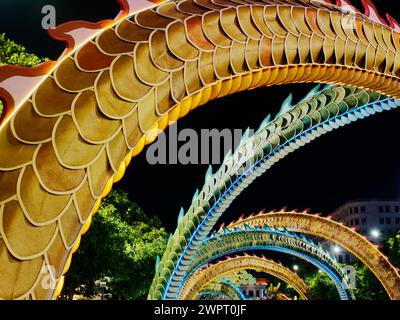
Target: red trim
x,y
393,22
340,3
9,105
124,7
12,70
60,32
367,4
9,71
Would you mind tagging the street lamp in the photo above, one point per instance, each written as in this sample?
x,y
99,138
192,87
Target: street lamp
x,y
102,284
295,267
336,249
375,233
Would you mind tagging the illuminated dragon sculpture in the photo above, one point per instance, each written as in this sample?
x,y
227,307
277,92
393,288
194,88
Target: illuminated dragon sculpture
x,y
222,288
70,127
232,291
242,238
227,285
201,279
293,127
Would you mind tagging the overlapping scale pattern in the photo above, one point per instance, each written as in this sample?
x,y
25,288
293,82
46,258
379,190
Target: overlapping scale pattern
x,y
105,100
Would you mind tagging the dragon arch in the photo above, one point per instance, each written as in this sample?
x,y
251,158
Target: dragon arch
x,y
233,291
224,288
314,225
228,285
320,112
242,237
336,232
70,127
203,277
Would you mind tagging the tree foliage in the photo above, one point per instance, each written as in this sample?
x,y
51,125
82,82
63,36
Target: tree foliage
x,y
123,244
13,53
321,286
368,286
392,248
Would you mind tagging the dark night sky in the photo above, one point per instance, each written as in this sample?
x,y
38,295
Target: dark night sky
x,y
358,161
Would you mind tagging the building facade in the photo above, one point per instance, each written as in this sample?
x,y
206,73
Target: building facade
x,y
374,219
257,291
